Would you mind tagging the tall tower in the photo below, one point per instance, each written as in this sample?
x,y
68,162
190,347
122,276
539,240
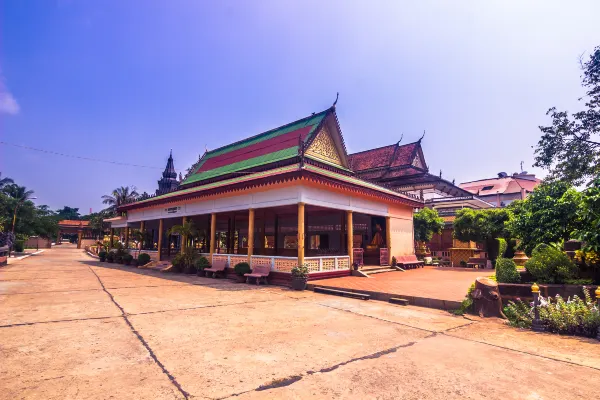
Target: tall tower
x,y
168,182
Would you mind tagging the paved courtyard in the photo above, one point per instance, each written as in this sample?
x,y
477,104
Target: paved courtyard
x,y
72,328
446,286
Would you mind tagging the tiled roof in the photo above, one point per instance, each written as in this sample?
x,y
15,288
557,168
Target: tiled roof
x,y
387,156
176,195
268,147
506,185
73,222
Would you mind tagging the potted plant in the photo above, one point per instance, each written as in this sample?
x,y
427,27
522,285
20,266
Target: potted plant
x,y
355,266
110,257
201,264
102,256
127,259
394,261
241,269
299,277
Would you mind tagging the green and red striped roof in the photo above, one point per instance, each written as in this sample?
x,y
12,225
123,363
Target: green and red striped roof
x,y
266,148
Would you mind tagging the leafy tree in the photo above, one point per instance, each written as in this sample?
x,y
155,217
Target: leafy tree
x,y
5,181
589,230
569,148
120,196
143,196
68,213
548,215
21,195
482,226
426,222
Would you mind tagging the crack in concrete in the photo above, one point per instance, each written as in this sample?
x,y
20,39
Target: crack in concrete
x,y
445,332
143,341
290,380
56,321
199,307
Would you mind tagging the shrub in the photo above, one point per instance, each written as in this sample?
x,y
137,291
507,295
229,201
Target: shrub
x,y
110,257
506,271
202,263
502,246
19,246
300,271
394,261
550,265
463,263
242,268
575,316
118,258
102,255
127,259
143,259
467,303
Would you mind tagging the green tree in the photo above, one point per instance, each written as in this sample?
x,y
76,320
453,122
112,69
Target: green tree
x,y
482,226
68,213
589,230
569,148
550,214
5,181
426,222
21,195
120,196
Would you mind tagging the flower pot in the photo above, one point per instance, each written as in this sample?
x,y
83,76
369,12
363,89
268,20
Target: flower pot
x,y
240,279
200,272
102,259
299,283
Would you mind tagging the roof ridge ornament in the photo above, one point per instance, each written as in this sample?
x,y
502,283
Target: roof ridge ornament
x,y
337,96
421,138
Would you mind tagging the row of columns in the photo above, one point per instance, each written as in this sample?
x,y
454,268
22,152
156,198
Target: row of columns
x,y
301,234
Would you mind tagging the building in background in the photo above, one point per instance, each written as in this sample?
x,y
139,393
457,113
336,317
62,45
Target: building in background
x,y
504,189
403,168
169,181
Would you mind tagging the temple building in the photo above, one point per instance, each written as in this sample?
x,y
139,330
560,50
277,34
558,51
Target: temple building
x,y
404,168
284,197
169,181
504,189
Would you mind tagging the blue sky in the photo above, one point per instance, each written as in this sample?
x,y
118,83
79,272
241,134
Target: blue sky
x,y
129,80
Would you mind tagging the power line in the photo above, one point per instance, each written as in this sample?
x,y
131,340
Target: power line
x,y
78,157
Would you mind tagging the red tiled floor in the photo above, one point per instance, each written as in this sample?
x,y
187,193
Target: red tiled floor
x,y
429,282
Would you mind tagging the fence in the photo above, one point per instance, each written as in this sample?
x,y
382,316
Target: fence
x,y
285,264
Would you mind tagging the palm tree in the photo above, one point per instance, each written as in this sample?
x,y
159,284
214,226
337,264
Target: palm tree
x,y
120,196
21,195
186,231
5,181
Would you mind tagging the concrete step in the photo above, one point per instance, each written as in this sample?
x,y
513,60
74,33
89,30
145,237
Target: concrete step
x,y
399,301
378,270
335,292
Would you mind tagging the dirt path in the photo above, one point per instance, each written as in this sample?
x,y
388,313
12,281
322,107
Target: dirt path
x,y
71,327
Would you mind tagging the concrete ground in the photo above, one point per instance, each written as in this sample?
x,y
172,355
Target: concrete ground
x,y
71,327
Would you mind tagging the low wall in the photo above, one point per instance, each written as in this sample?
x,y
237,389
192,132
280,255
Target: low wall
x,y
38,243
514,291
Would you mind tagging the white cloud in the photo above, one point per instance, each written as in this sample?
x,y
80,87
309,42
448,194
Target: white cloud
x,y
8,104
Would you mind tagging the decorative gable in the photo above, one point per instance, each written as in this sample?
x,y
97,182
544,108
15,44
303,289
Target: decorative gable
x,y
324,148
417,161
